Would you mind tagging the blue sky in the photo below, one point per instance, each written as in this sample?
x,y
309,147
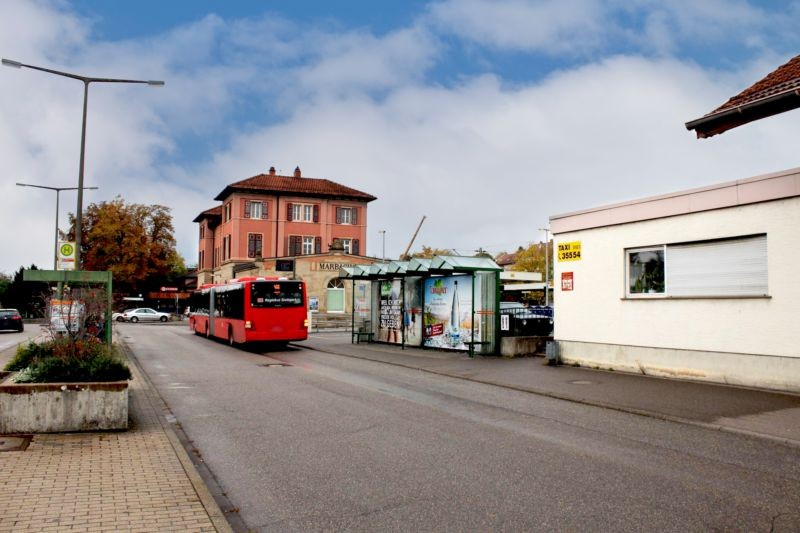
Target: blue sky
x,y
485,116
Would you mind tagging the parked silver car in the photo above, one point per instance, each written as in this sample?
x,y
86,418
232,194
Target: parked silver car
x,y
144,314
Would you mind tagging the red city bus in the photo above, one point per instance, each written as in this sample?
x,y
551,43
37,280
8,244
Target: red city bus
x,y
251,309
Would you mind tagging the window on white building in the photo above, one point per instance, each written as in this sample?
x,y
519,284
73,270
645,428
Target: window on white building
x,y
721,268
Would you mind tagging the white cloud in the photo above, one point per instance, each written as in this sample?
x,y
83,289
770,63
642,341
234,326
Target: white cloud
x,y
556,26
487,161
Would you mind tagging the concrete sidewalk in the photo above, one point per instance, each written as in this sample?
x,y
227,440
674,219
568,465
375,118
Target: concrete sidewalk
x,y
760,413
135,480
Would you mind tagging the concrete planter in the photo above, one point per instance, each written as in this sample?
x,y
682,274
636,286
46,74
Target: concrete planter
x,y
62,407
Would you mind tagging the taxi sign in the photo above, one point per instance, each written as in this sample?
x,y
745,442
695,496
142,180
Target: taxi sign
x,y
569,251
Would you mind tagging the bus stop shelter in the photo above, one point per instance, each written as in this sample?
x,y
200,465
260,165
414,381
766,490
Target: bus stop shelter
x,y
445,302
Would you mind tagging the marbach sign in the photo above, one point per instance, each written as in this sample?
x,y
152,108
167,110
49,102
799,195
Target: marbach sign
x,y
332,266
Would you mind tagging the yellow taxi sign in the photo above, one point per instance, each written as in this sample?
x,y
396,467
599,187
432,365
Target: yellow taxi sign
x,y
569,251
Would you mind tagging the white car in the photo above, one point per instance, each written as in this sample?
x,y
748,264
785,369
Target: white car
x,y
120,317
144,314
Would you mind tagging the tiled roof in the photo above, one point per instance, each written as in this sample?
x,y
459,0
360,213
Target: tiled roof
x,y
213,213
784,78
777,93
505,259
273,183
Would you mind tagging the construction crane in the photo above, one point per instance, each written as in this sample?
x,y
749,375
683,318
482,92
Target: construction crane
x,y
405,256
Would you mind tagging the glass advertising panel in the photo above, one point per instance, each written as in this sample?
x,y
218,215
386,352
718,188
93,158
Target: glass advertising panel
x,y
412,311
447,314
389,309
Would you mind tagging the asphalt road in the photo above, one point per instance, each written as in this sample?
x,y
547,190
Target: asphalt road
x,y
334,443
9,340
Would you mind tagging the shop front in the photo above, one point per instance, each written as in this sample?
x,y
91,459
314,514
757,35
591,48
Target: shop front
x,y
446,303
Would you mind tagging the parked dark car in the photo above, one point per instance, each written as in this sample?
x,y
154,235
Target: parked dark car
x,y
11,319
524,320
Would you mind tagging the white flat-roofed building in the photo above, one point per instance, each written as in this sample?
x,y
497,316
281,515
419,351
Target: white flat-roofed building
x,y
701,284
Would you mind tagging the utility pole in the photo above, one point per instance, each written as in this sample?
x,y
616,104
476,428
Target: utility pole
x,y
546,265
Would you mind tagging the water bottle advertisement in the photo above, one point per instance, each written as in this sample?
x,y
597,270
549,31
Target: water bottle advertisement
x,y
448,305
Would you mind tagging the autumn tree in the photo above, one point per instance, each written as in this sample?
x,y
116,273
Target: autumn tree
x,y
532,258
134,241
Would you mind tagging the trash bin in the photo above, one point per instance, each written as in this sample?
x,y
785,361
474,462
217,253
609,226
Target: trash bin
x,y
551,352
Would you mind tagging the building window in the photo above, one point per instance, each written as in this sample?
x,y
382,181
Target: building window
x,y
255,209
720,268
308,245
646,270
303,212
254,244
350,246
346,215
227,213
226,248
202,231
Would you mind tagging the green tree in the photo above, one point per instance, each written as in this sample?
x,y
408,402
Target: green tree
x,y
134,241
28,297
5,284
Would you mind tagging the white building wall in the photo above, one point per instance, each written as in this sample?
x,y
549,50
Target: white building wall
x,y
705,338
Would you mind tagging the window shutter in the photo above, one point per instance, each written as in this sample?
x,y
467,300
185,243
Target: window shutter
x,y
736,267
258,248
355,247
316,213
264,206
354,215
338,215
289,212
317,245
247,209
297,245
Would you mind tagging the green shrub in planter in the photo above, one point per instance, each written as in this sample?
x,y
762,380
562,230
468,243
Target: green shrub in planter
x,y
67,360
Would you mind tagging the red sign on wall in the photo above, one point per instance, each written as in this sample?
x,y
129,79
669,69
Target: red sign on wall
x,y
567,282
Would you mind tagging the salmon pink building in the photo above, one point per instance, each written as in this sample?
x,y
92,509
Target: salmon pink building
x,y
287,225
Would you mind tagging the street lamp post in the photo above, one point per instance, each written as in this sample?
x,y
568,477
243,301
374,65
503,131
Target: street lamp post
x,y
58,191
86,81
383,245
546,265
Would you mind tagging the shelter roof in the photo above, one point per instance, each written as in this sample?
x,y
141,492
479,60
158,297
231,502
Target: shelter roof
x,y
438,264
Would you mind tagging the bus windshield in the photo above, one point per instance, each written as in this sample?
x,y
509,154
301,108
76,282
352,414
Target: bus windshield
x,y
276,294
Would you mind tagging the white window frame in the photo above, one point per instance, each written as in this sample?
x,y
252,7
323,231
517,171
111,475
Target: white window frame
x,y
735,267
628,252
346,214
256,209
347,244
303,212
307,246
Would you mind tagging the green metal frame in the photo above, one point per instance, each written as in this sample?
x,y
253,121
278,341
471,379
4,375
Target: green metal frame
x,y
78,277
